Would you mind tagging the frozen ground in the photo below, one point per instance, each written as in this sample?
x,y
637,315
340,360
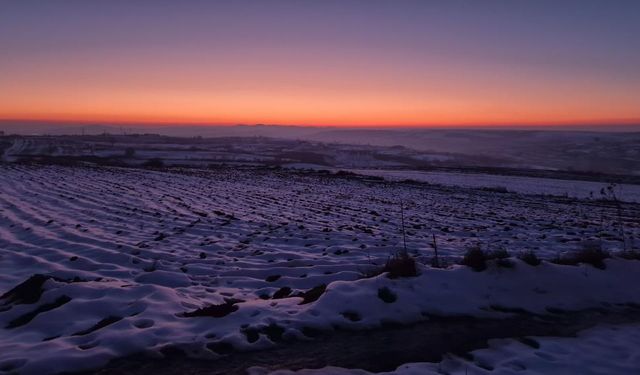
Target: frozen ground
x,y
517,184
606,350
239,259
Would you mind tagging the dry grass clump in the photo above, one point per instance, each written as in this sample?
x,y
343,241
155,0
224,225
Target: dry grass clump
x,y
477,259
590,253
401,265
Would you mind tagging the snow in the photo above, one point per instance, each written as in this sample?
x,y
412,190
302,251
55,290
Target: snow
x,y
136,252
604,350
518,184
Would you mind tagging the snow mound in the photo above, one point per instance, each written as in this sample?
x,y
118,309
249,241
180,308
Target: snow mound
x,y
80,324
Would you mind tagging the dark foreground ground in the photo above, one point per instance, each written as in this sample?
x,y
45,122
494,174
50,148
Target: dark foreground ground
x,y
386,348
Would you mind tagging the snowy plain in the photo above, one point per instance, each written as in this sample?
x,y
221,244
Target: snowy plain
x,y
134,257
516,184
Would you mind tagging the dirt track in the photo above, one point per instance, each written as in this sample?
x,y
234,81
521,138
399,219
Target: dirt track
x,y
386,348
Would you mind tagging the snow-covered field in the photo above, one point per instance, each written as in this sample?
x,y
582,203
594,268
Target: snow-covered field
x,y
517,184
239,259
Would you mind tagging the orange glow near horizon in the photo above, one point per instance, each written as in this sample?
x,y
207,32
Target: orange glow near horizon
x,y
310,95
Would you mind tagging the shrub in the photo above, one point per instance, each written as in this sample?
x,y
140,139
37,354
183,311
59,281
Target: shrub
x,y
501,257
129,152
401,265
590,253
498,254
593,256
475,258
530,258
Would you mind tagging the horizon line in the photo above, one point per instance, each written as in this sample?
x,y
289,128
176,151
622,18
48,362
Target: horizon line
x,y
426,125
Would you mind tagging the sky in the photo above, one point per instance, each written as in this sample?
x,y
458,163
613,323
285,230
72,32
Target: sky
x,y
343,63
